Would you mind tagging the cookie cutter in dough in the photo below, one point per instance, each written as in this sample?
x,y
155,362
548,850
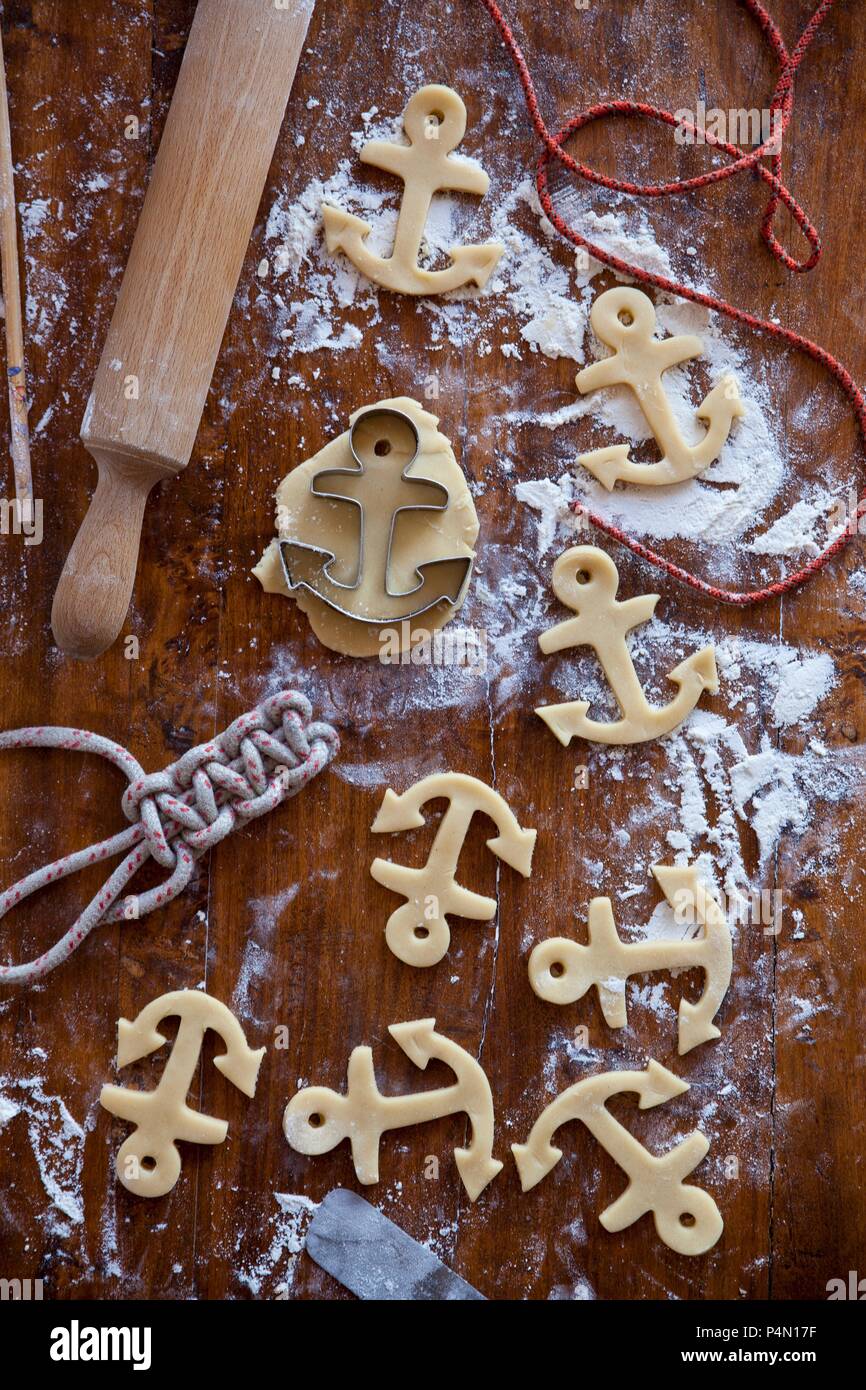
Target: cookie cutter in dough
x,y
586,580
625,319
685,1216
562,971
317,1119
308,566
148,1162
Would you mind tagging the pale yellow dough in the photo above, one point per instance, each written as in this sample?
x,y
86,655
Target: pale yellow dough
x,y
317,1119
655,1184
586,579
419,932
625,319
419,537
562,971
435,123
148,1162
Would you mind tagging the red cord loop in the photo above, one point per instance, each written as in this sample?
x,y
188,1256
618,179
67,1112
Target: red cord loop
x,y
781,109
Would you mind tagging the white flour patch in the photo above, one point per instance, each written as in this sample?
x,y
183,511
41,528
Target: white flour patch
x,y
286,1233
714,783
57,1142
717,782
266,915
795,532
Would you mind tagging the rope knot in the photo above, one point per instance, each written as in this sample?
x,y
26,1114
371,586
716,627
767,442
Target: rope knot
x,y
259,761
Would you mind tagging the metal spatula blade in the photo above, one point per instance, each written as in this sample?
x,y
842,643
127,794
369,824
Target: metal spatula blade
x,y
375,1259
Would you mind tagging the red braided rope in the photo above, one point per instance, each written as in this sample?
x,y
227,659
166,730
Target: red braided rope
x,y
781,108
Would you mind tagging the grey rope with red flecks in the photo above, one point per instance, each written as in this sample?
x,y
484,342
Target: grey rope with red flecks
x,y
177,815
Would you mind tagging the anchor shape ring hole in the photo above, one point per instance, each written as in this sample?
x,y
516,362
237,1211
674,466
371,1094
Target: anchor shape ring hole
x,y
316,1120
620,314
425,118
585,571
139,1158
699,1214
381,433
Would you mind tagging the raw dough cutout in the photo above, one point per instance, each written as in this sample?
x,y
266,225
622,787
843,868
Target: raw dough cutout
x,y
317,1119
419,932
625,319
655,1184
365,565
435,123
586,579
148,1162
562,971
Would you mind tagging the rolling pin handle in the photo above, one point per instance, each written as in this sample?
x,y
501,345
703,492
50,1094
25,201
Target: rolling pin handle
x,y
95,588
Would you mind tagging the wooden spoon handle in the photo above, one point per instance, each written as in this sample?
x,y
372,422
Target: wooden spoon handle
x,y
93,595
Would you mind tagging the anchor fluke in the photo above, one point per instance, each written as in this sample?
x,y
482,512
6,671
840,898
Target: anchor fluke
x,y
439,582
532,1166
135,1041
700,667
476,1171
606,465
342,229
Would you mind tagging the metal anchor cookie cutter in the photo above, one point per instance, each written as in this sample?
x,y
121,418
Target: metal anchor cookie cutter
x,y
307,566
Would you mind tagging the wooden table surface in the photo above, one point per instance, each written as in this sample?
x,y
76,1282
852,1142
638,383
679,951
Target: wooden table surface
x,y
284,920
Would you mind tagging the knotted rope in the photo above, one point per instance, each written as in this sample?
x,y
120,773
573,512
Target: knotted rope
x,y
781,110
177,815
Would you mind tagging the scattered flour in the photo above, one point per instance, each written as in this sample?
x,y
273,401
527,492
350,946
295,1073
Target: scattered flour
x,y
286,1233
57,1142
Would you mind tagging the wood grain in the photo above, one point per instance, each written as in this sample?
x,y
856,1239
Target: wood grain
x,y
284,919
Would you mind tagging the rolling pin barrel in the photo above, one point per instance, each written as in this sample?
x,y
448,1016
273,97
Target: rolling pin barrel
x,y
158,361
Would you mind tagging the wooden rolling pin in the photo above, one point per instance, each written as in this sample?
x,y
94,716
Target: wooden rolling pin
x,y
144,411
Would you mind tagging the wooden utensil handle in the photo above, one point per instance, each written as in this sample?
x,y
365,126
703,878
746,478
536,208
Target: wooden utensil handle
x,y
93,595
171,312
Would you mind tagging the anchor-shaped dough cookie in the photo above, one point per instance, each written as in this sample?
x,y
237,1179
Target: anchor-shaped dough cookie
x,y
602,622
562,971
625,319
162,1116
655,1184
317,1119
418,932
435,123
